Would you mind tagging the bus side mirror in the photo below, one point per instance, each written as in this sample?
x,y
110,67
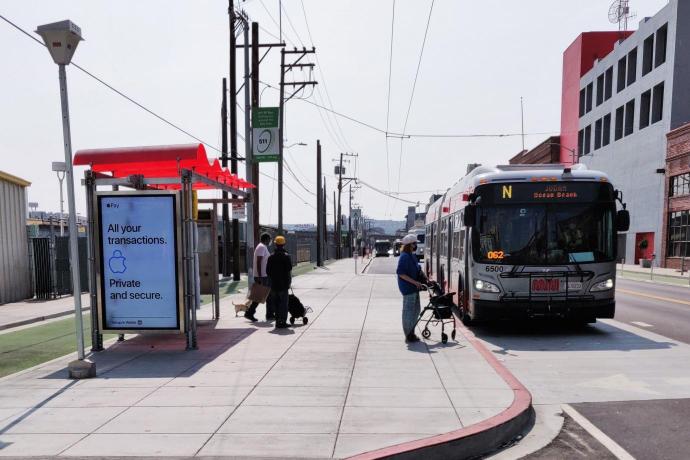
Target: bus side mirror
x,y
623,220
469,217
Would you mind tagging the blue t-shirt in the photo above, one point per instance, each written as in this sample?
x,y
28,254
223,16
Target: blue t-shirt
x,y
407,265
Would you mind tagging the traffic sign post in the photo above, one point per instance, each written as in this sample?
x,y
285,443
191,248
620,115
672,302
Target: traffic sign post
x,y
265,125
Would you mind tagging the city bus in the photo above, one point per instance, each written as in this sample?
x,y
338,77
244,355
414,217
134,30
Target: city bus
x,y
420,233
382,248
527,241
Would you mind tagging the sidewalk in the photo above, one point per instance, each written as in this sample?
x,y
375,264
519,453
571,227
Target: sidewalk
x,y
31,311
660,275
342,385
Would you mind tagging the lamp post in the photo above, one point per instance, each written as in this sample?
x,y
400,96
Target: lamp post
x,y
61,39
61,167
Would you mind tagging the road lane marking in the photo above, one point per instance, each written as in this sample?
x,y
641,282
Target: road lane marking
x,y
641,324
656,297
599,435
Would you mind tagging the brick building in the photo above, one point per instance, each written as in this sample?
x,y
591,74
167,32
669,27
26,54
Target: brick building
x,y
547,152
676,230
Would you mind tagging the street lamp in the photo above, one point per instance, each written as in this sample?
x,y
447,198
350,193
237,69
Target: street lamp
x,y
61,167
61,39
301,144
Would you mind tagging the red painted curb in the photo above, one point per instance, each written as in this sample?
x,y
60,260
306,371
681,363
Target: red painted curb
x,y
522,402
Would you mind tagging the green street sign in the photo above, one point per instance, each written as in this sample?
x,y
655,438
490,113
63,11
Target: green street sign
x,y
265,133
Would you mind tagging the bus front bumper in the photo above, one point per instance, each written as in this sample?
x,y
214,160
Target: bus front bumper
x,y
484,310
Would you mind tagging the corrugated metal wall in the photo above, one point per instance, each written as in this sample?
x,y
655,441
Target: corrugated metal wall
x,y
15,277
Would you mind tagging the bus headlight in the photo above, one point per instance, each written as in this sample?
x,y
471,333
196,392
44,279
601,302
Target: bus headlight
x,y
602,286
485,286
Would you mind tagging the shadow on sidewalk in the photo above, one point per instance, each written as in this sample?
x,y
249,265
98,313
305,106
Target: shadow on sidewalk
x,y
162,355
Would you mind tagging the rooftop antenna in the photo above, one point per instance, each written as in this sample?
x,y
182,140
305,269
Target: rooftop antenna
x,y
619,12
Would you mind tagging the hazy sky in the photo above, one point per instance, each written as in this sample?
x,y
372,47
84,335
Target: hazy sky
x,y
480,58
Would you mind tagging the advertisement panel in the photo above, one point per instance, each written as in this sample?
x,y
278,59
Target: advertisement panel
x,y
138,251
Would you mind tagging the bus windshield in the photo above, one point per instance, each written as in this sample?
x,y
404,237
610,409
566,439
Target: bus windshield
x,y
544,233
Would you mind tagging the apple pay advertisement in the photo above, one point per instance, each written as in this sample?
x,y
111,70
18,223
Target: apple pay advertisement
x,y
138,262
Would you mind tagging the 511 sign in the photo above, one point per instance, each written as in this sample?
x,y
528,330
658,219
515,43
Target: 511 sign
x,y
265,136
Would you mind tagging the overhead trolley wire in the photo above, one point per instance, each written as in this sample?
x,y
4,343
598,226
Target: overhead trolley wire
x,y
118,92
414,86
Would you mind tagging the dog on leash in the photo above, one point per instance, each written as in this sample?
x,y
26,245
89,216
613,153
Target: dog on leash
x,y
242,306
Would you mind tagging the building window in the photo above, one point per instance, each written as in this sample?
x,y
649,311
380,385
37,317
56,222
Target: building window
x,y
632,66
679,234
645,106
608,83
629,117
680,185
582,101
619,122
600,90
580,142
657,102
589,97
647,55
606,134
660,52
597,134
588,139
621,75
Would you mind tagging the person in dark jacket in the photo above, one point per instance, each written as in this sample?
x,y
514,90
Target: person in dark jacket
x,y
279,271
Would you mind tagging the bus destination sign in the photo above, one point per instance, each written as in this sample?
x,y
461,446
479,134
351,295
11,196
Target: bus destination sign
x,y
547,192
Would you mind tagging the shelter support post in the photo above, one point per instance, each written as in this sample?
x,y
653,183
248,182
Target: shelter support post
x,y
90,186
188,251
216,282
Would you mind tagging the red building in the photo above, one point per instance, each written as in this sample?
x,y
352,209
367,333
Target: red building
x,y
578,59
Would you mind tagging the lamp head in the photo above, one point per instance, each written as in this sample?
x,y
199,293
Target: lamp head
x,y
61,39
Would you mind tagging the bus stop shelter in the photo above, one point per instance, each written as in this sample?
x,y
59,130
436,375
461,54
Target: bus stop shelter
x,y
141,236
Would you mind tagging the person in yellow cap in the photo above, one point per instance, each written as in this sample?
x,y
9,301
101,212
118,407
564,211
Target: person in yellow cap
x,y
279,271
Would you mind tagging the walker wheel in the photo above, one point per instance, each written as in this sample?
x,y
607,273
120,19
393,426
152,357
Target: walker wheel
x,y
426,333
452,334
305,320
292,320
444,337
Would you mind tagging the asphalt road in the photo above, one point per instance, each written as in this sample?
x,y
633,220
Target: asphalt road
x,y
627,376
662,309
383,266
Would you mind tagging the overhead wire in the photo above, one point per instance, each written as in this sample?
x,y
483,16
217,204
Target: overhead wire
x,y
320,69
388,104
414,86
118,92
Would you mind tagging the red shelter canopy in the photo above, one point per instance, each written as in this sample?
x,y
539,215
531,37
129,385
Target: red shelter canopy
x,y
160,161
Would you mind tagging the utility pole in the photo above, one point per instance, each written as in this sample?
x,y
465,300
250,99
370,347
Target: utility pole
x,y
324,220
233,140
224,163
255,103
349,225
252,219
339,247
319,260
300,85
335,226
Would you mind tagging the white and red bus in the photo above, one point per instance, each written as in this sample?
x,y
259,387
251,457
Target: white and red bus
x,y
524,241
